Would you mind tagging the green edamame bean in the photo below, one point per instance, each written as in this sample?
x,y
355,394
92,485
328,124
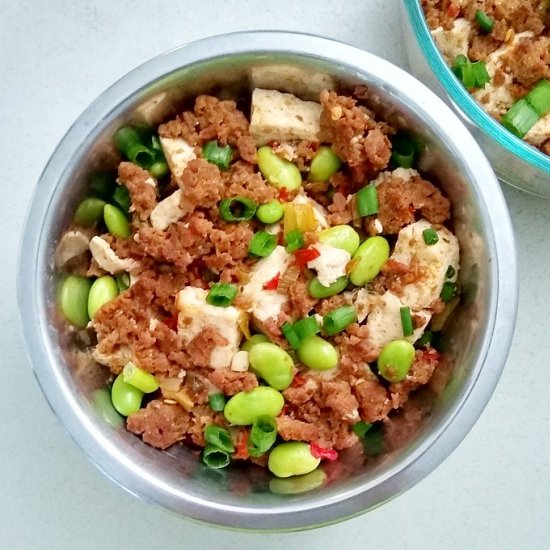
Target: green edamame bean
x,y
103,290
245,407
253,340
104,406
89,211
341,236
73,300
298,484
317,290
292,459
116,221
270,212
277,171
125,397
372,254
395,360
318,354
324,164
273,364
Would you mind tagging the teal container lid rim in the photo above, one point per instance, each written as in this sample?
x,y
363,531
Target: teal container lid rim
x,y
463,100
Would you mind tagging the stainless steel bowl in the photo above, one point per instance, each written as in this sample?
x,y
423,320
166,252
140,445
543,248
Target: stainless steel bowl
x,y
477,342
514,160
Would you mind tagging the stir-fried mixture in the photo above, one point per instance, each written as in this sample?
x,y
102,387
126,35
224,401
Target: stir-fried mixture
x,y
500,50
266,288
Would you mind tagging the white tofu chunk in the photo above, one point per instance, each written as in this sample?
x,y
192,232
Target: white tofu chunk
x,y
167,211
540,132
266,304
240,363
331,264
72,244
405,174
318,210
178,154
362,304
384,320
107,259
454,41
434,260
283,117
195,314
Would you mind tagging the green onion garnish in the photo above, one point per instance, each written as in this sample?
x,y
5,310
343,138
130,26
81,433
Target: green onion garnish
x,y
215,458
294,240
216,401
425,339
450,273
121,198
484,21
403,151
306,327
481,74
262,244
430,236
406,321
361,428
472,75
338,319
222,294
520,117
459,61
237,209
220,156
133,143
448,291
219,437
539,97
366,200
123,281
291,336
373,440
262,435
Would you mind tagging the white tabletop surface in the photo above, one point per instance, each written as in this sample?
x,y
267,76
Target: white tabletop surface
x,y
55,58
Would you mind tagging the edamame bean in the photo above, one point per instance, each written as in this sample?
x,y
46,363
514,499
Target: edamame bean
x,y
116,221
104,406
245,407
103,290
324,164
253,340
73,300
371,255
125,397
273,364
292,459
341,236
89,211
298,484
318,354
270,212
277,171
317,290
395,360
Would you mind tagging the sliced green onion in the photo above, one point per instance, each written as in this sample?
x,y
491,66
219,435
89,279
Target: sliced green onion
x,y
215,458
459,61
121,198
237,209
123,281
306,327
294,240
222,294
373,441
220,156
539,97
484,21
262,435
520,118
430,236
291,336
216,401
140,379
403,151
448,291
406,321
338,319
128,142
367,200
262,244
450,273
102,185
219,437
425,339
481,74
361,428
467,75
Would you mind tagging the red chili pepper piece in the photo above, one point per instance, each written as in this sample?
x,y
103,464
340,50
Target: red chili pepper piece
x,y
298,380
321,452
305,255
172,322
453,10
283,194
272,284
241,448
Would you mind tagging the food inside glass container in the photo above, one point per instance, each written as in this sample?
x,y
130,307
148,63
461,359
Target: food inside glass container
x,y
500,51
265,287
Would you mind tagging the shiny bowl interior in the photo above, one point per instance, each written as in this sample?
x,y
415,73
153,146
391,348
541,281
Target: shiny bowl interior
x,y
477,342
515,161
